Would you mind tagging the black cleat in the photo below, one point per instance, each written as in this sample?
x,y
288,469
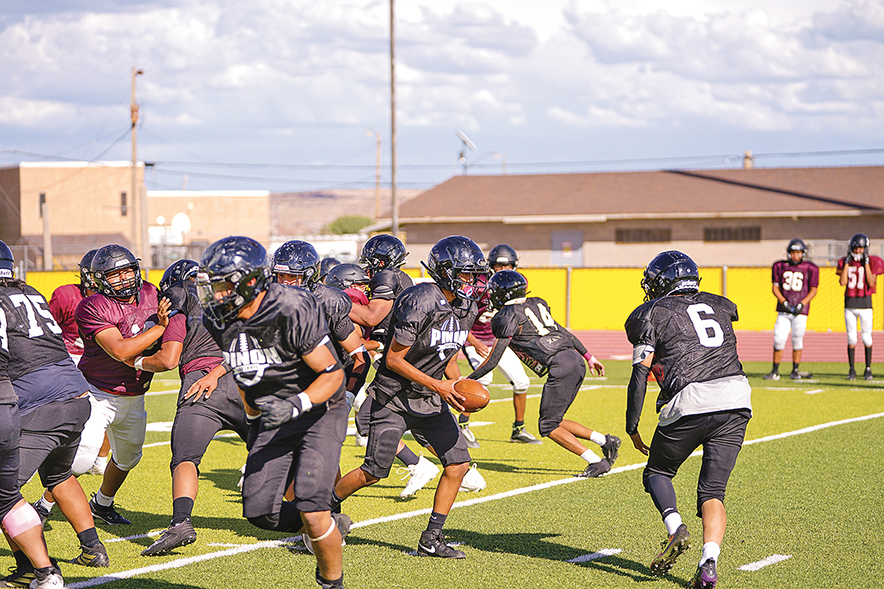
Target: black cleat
x,y
432,544
796,375
774,375
176,536
107,514
678,543
596,469
610,448
23,576
95,556
523,437
706,576
851,375
868,374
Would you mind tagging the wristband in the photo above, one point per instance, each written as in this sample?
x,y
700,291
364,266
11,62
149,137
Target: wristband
x,y
250,417
306,404
139,363
358,350
590,358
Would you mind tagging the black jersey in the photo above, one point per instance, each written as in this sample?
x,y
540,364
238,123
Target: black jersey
x,y
387,284
536,336
198,342
7,393
692,339
265,351
34,337
435,331
336,305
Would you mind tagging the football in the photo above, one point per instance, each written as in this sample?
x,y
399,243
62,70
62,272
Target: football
x,y
477,396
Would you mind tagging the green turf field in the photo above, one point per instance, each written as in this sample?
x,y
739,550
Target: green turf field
x,y
814,497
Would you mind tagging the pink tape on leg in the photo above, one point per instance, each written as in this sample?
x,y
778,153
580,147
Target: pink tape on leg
x,y
20,520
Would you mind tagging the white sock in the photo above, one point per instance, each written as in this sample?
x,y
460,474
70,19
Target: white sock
x,y
672,521
710,550
590,456
103,499
48,505
597,438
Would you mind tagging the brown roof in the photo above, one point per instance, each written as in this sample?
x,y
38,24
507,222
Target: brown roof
x,y
754,192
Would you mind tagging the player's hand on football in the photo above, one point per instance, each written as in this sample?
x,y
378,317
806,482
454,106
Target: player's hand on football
x,y
445,388
639,443
163,310
203,387
276,411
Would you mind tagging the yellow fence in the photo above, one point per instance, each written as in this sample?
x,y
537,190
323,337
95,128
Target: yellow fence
x,y
602,298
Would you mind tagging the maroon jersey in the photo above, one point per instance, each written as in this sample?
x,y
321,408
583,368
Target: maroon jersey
x,y
97,313
795,282
481,329
63,306
858,294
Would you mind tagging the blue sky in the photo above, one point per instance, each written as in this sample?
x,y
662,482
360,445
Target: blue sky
x,y
283,95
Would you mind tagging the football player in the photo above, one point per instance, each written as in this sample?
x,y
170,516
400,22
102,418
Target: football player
x,y
428,327
120,322
859,272
20,522
63,305
208,400
687,338
795,282
479,342
276,341
525,325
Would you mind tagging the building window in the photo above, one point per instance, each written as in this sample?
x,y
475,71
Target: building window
x,y
643,235
42,202
732,234
124,210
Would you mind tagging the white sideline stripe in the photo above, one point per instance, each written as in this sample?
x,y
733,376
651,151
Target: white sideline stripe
x,y
814,391
773,559
595,555
395,517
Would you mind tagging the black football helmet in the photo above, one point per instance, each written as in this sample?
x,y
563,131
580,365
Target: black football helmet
x,y
178,272
505,286
344,276
233,272
382,251
670,272
297,258
457,264
502,255
109,260
796,245
860,240
86,271
325,265
7,261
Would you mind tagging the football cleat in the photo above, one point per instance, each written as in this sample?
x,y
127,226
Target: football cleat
x,y
472,442
92,556
420,474
177,535
107,514
774,375
596,469
342,522
706,576
99,466
433,544
472,481
42,512
851,375
523,437
868,374
23,577
610,448
796,375
677,544
48,580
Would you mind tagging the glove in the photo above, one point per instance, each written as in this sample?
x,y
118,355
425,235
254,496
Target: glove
x,y
787,306
276,411
865,258
796,310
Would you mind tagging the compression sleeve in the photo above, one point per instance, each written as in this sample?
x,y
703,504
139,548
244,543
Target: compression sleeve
x,y
578,345
500,346
635,396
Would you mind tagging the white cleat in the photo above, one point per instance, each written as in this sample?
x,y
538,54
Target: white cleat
x,y
472,481
421,473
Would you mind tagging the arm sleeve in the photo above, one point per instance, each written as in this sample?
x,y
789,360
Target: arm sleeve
x,y
383,286
635,396
500,346
578,345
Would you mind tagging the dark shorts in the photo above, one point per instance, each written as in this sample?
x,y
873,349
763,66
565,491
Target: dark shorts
x,y
50,436
386,427
10,429
566,372
363,416
307,451
721,435
197,423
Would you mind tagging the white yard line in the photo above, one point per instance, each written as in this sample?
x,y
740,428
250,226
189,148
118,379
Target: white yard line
x,y
773,559
595,555
181,562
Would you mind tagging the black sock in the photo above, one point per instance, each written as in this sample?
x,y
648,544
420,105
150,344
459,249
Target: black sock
x,y
182,509
437,520
869,358
89,538
21,560
776,367
794,367
407,457
463,418
336,502
518,424
850,352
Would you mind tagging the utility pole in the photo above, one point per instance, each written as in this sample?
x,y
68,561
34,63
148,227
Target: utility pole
x,y
138,208
377,181
394,211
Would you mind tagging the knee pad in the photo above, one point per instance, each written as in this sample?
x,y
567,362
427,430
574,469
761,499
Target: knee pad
x,y
520,387
21,519
851,339
867,340
132,463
